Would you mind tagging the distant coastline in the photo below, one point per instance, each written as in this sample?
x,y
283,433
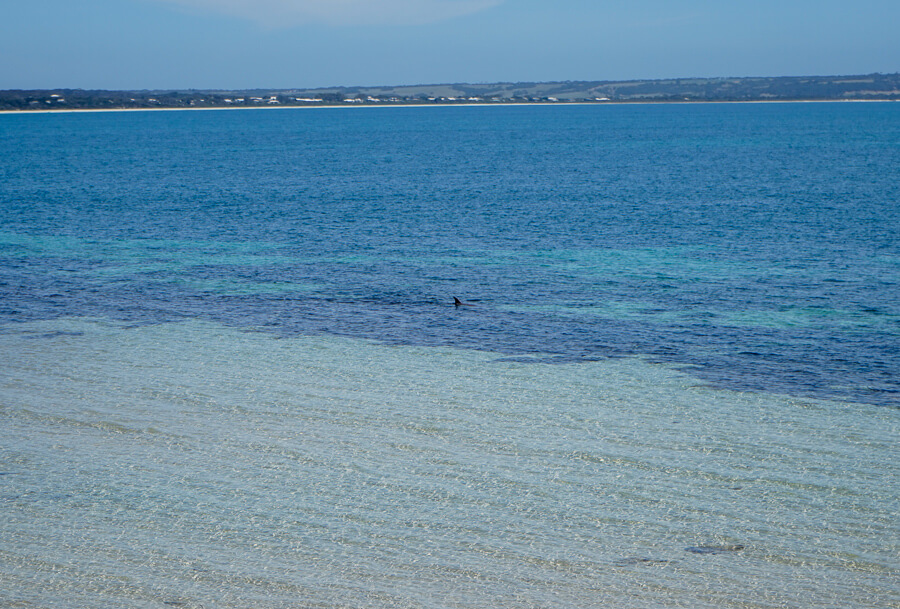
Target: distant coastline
x,y
869,87
415,105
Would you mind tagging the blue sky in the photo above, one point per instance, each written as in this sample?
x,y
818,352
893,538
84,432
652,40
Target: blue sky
x,y
162,44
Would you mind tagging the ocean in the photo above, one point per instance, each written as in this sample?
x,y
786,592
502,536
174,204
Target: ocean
x,y
233,374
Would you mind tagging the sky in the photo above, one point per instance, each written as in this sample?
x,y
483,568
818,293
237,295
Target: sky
x,y
243,44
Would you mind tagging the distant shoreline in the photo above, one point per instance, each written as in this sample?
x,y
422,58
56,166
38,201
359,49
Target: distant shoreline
x,y
860,87
450,105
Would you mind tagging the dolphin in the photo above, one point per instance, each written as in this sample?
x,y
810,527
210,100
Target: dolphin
x,y
457,302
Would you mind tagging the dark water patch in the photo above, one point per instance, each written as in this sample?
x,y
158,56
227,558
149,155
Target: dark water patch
x,y
806,363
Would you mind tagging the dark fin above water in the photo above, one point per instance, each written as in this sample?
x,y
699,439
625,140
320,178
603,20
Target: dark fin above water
x,y
459,303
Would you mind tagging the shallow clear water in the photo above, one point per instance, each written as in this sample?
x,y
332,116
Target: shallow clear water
x,y
234,375
196,464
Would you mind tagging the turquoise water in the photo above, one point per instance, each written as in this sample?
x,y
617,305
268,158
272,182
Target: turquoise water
x,y
234,375
754,244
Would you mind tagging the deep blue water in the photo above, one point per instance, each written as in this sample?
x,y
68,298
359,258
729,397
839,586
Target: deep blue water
x,y
755,244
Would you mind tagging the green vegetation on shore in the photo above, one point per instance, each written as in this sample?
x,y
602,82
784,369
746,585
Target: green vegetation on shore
x,y
784,88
